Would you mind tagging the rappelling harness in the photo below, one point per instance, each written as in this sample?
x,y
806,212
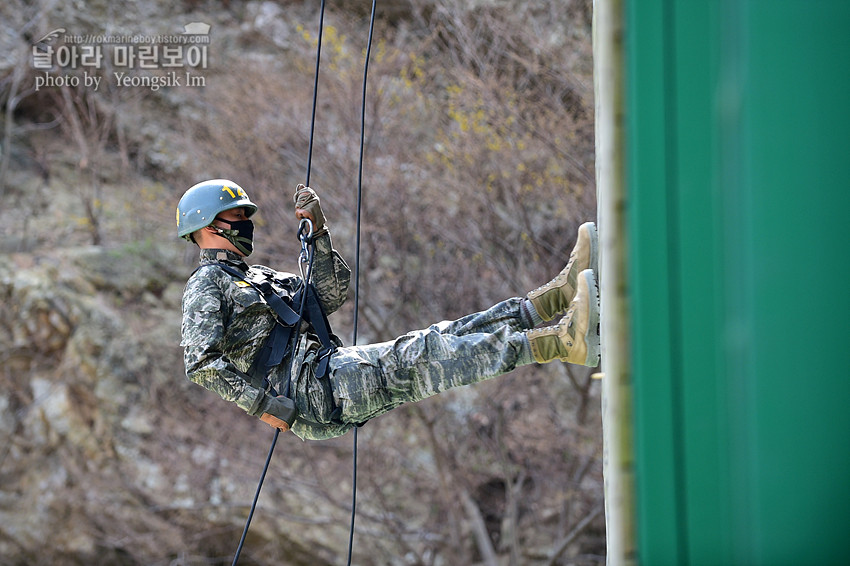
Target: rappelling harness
x,y
289,322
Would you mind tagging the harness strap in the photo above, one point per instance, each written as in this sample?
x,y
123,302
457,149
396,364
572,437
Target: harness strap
x,y
271,355
284,312
277,343
315,315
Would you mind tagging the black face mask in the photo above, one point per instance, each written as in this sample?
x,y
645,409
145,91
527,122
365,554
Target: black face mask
x,y
240,234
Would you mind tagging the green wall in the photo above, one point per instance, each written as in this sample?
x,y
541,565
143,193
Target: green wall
x,y
738,191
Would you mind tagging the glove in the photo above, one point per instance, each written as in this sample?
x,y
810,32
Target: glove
x,y
278,412
308,205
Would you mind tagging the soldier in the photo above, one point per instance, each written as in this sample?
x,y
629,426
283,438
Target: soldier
x,y
320,389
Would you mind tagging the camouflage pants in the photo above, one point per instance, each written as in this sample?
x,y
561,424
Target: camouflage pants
x,y
370,380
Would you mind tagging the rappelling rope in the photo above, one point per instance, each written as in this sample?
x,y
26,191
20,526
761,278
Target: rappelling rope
x,y
305,234
315,91
357,259
305,241
307,257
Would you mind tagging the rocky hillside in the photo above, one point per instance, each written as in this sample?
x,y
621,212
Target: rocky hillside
x,y
478,169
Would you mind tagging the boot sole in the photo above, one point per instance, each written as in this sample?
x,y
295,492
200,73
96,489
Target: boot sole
x,y
592,339
590,228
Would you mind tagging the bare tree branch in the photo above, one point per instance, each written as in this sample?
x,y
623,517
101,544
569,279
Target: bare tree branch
x,y
574,534
479,529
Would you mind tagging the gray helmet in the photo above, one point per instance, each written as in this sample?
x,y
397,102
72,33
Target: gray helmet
x,y
203,202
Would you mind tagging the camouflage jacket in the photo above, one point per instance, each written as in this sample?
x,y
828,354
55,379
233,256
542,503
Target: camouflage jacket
x,y
226,321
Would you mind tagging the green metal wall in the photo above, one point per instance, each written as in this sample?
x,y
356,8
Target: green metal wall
x,y
738,191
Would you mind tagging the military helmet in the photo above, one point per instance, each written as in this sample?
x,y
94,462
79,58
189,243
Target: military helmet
x,y
203,202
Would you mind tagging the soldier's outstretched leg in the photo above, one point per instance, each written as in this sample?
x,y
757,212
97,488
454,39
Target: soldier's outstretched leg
x,y
554,297
372,379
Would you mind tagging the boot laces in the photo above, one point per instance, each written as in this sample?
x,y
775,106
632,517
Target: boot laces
x,y
566,269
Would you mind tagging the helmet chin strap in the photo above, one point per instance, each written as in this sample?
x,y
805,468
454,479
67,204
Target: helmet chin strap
x,y
232,236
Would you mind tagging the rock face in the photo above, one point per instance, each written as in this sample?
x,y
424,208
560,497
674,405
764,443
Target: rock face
x,y
72,368
104,455
67,381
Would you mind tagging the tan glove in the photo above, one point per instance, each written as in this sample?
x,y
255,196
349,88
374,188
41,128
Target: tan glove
x,y
272,420
278,412
308,205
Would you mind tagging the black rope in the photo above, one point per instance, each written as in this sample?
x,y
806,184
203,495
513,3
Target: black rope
x,y
256,498
305,242
315,92
357,261
306,281
310,266
360,171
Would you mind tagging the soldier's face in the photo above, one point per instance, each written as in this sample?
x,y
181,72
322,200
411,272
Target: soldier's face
x,y
210,238
232,215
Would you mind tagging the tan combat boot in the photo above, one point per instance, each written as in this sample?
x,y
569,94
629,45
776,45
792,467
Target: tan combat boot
x,y
576,338
554,297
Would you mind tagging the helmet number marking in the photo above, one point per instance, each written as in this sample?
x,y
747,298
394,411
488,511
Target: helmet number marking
x,y
239,191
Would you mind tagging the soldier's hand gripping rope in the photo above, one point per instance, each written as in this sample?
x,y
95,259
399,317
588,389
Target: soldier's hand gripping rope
x,y
308,205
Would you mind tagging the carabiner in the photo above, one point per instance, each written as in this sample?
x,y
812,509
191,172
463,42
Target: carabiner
x,y
309,224
304,257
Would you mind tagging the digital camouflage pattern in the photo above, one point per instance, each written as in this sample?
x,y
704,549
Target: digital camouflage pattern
x,y
373,379
226,322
